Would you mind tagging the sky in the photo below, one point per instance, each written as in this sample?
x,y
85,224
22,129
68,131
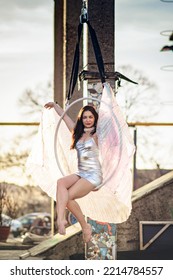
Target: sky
x,y
26,49
138,43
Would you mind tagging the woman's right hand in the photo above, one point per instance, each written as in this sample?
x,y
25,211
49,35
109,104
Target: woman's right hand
x,y
68,121
54,105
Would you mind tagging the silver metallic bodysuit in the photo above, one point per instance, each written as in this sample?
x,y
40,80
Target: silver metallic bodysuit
x,y
89,166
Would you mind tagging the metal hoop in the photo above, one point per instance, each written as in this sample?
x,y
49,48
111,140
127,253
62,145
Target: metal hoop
x,y
167,1
58,125
164,33
168,68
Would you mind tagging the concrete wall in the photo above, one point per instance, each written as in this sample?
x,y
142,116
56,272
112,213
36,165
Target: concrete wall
x,y
155,206
71,246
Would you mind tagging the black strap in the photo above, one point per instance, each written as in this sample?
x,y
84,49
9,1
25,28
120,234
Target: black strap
x,y
75,67
97,52
98,56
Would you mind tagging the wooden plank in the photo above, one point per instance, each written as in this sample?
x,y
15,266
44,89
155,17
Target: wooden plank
x,y
140,235
51,242
166,223
8,254
155,237
150,187
156,222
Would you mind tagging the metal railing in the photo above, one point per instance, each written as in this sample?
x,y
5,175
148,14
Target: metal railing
x,y
133,125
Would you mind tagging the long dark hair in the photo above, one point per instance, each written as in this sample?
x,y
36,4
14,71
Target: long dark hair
x,y
79,127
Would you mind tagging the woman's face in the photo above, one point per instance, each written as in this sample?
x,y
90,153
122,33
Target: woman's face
x,y
88,119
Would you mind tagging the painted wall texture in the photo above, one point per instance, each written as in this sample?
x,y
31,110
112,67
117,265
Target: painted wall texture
x,y
156,206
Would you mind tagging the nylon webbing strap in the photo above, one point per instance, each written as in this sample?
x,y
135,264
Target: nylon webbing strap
x,y
97,52
75,66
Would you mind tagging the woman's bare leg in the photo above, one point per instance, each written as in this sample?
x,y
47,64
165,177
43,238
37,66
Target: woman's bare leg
x,y
62,198
81,188
68,189
75,209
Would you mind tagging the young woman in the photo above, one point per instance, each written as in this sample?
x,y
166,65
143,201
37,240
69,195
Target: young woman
x,y
104,148
89,174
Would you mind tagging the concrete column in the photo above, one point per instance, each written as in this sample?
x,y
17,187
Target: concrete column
x,y
66,20
59,50
101,17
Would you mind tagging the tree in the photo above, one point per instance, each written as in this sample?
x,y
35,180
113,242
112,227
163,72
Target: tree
x,y
15,152
139,102
31,102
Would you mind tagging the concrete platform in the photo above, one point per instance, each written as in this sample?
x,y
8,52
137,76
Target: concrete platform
x,y
43,247
12,248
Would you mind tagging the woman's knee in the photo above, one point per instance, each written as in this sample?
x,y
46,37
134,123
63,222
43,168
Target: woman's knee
x,y
71,197
67,181
60,182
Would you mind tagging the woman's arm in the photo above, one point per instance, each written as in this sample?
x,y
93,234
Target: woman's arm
x,y
69,122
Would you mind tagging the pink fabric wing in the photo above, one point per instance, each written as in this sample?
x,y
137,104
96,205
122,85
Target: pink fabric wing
x,y
42,163
112,203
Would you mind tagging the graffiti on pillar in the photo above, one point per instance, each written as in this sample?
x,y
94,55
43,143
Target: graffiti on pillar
x,y
102,245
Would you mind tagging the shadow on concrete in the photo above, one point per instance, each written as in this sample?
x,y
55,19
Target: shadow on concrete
x,y
136,255
146,255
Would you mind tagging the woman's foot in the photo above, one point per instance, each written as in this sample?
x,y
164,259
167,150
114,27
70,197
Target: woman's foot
x,y
61,227
87,233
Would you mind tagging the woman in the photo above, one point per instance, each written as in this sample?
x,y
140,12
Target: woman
x,y
89,176
110,142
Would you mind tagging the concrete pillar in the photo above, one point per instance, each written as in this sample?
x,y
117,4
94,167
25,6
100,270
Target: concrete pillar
x,y
101,17
59,44
66,20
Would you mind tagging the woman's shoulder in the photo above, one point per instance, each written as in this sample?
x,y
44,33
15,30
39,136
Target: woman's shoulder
x,y
95,134
95,137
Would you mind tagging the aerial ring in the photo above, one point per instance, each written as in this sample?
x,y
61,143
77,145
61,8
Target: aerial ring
x,y
58,125
168,68
167,1
166,32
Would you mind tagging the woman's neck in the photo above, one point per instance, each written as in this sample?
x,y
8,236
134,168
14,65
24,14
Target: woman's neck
x,y
89,129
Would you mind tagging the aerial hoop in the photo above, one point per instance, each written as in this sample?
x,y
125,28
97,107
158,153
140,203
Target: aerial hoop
x,y
168,68
56,136
167,1
166,32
